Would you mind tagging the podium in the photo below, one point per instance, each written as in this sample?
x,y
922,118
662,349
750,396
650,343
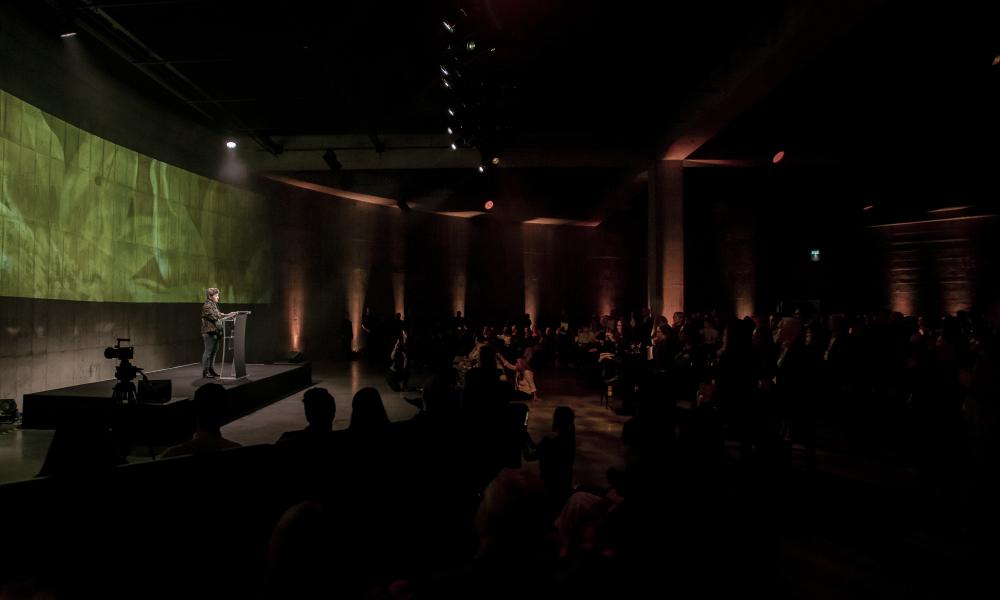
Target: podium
x,y
234,330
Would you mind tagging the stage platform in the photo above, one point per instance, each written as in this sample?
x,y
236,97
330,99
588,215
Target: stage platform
x,y
174,419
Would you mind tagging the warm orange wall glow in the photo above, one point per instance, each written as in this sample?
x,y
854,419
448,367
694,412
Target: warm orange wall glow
x,y
532,244
670,195
356,264
357,286
296,305
744,307
399,292
458,263
931,265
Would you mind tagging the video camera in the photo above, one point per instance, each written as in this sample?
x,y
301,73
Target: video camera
x,y
125,371
126,353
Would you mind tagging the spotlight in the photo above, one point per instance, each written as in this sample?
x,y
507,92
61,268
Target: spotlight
x,y
450,131
231,144
444,71
493,49
330,158
488,205
868,208
482,169
451,111
778,157
67,34
495,160
470,45
445,83
448,26
453,146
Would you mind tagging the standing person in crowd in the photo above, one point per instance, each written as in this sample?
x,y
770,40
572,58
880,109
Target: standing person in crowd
x,y
524,379
399,369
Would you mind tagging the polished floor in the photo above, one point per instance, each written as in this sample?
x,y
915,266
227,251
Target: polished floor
x,y
22,451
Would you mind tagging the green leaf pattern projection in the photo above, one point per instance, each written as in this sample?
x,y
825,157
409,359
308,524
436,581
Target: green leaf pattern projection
x,y
84,219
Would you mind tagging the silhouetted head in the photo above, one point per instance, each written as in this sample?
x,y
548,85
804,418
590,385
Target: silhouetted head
x,y
320,407
788,331
488,357
367,411
563,419
210,404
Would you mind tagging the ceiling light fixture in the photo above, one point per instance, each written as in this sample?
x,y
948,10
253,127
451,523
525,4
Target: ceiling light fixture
x,y
231,144
70,34
778,157
448,26
453,146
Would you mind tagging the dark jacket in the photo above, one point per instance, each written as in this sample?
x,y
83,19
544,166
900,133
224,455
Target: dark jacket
x,y
210,318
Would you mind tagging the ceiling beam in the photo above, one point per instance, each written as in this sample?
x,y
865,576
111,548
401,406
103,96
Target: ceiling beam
x,y
757,71
430,151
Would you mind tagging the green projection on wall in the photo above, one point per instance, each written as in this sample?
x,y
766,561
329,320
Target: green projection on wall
x,y
84,219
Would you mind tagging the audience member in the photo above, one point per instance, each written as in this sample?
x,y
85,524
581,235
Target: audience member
x,y
209,410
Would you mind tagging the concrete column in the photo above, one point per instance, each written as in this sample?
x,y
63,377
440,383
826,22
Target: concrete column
x,y
665,237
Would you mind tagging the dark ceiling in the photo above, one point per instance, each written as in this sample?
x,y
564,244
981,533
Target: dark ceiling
x,y
306,67
903,109
902,106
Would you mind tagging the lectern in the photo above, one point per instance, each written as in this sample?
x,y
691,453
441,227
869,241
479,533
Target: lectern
x,y
234,329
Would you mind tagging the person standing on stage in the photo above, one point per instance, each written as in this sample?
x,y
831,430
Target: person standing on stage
x,y
211,331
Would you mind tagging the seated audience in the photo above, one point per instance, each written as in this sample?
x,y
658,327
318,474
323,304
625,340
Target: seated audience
x,y
209,409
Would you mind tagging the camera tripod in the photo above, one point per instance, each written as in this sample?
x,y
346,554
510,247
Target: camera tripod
x,y
127,424
123,394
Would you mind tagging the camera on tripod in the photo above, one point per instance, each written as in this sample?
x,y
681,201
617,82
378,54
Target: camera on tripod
x,y
126,353
125,372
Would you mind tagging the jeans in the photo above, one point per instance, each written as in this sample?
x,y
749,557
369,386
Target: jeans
x,y
211,347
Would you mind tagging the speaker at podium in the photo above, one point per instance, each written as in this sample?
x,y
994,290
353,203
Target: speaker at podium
x,y
234,329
